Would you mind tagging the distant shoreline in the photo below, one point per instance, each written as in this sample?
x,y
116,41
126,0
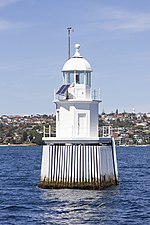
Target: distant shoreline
x,y
7,145
132,145
27,145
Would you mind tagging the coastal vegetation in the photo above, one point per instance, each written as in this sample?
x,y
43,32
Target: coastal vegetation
x,y
26,130
127,128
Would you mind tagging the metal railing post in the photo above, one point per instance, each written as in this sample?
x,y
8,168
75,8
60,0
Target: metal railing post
x,y
43,131
49,131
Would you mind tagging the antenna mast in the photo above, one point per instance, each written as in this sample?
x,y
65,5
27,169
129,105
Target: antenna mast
x,y
69,29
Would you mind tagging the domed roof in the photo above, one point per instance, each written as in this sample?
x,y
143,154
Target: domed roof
x,y
77,62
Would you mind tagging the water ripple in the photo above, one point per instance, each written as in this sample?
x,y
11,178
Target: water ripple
x,y
22,202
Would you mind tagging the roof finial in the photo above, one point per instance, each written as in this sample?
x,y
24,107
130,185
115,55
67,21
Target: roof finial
x,y
77,53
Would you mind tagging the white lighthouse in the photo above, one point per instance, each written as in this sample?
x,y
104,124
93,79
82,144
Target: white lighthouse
x,y
77,157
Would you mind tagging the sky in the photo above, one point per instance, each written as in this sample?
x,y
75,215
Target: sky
x,y
114,37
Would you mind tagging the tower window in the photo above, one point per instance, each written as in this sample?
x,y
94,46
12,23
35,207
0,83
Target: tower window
x,y
57,115
77,79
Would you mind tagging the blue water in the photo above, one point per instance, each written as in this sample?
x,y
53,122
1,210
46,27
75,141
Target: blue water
x,y
22,202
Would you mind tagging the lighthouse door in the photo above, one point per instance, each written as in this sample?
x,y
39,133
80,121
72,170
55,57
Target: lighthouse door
x,y
82,124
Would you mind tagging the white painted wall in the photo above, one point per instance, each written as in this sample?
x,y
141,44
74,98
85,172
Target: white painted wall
x,y
77,119
94,119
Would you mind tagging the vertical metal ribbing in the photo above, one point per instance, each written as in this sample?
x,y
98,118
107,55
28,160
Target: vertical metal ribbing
x,y
70,175
89,162
84,159
95,169
79,167
63,165
67,164
72,163
92,163
98,163
53,166
106,167
76,163
51,175
70,169
81,164
90,147
60,163
66,158
87,165
107,161
110,161
82,155
114,161
55,162
82,171
48,163
88,169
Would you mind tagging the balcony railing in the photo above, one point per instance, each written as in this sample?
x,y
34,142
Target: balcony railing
x,y
105,131
47,131
89,93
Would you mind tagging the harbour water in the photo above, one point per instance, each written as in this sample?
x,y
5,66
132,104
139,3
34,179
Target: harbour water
x,y
22,202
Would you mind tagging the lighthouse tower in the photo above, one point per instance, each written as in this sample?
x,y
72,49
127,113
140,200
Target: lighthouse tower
x,y
76,111
77,157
